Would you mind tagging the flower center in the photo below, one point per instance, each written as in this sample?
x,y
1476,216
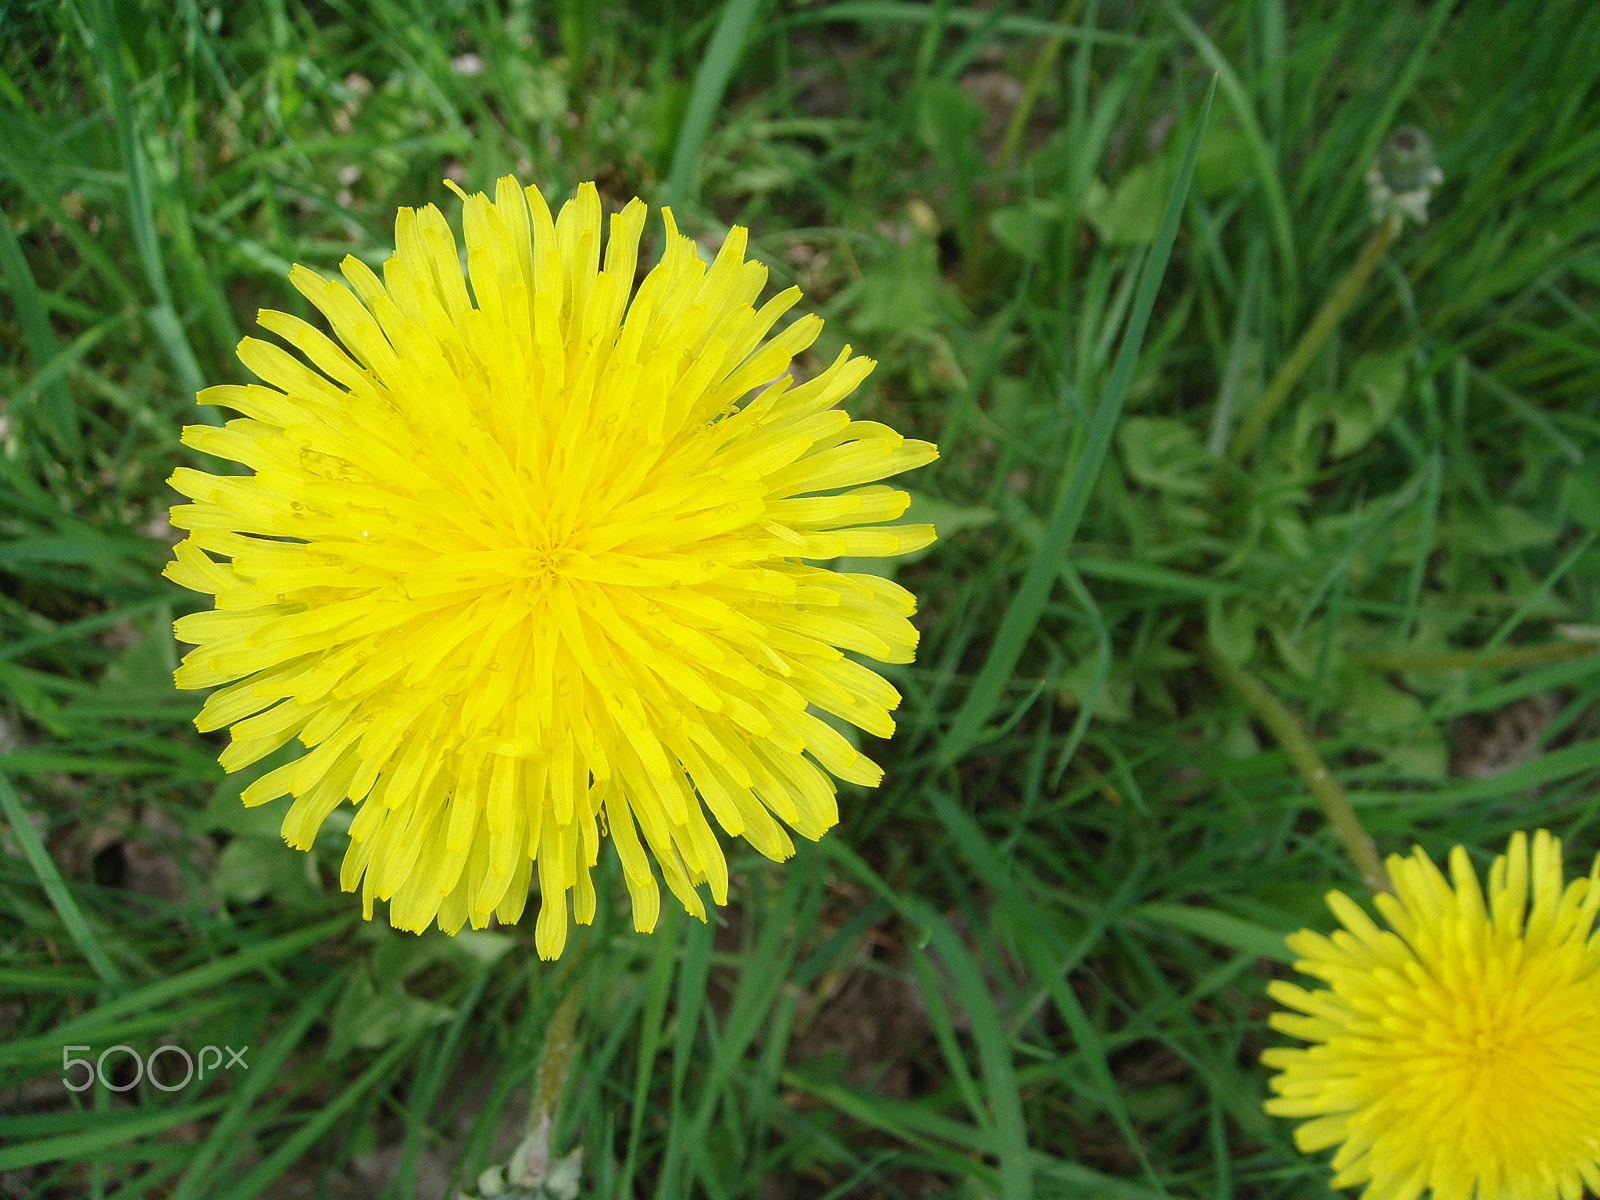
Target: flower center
x,y
1492,1039
544,562
1510,1053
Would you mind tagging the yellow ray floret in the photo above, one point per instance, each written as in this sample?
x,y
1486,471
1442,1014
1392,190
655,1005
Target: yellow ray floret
x,y
1459,1054
523,563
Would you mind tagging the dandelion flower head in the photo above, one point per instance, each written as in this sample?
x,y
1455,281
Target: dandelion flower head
x,y
530,564
1457,1052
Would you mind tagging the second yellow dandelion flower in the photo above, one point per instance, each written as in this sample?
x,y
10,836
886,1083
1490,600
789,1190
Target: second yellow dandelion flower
x,y
1458,1054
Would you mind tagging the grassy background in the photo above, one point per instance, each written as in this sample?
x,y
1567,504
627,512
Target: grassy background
x,y
1033,962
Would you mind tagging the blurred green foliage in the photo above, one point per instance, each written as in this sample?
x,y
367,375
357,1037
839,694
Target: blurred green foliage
x,y
1032,963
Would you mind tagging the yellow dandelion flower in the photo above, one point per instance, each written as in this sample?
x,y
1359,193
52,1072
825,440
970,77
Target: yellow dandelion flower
x,y
1460,1053
527,564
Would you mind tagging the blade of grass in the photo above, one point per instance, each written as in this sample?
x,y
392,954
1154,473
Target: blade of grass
x,y
207,974
1571,671
163,317
1016,24
1425,544
763,974
931,37
425,1092
275,1164
75,630
1538,594
40,1053
1260,149
1023,614
908,1123
1050,966
39,980
49,377
994,1054
1529,413
44,868
88,247
944,1033
689,1003
108,1132
1159,579
1033,533
710,81
263,1074
153,1177
35,321
1567,762
1217,927
657,986
1227,393
1361,532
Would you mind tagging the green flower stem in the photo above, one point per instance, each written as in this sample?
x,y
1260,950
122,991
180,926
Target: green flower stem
x,y
1312,340
1017,126
1286,728
1042,65
1465,660
556,1058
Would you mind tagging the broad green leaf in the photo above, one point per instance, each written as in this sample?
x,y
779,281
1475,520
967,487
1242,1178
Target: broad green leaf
x,y
1233,630
145,668
1226,159
1373,391
1580,498
903,294
226,813
949,120
947,518
369,1017
1165,454
1014,224
1396,724
1115,699
1130,213
252,867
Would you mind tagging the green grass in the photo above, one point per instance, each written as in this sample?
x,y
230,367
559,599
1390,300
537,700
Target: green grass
x,y
1033,962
